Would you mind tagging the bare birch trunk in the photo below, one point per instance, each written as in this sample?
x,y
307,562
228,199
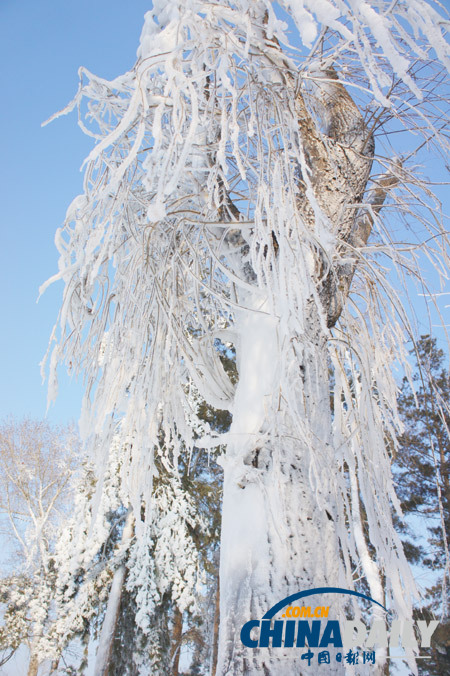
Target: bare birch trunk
x,y
105,645
33,665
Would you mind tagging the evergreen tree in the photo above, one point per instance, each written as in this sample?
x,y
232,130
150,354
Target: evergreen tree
x,y
422,469
166,582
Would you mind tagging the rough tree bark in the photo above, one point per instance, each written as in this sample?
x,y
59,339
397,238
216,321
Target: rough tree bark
x,y
256,475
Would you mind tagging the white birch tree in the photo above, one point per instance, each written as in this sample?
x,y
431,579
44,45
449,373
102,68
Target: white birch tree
x,y
235,197
37,464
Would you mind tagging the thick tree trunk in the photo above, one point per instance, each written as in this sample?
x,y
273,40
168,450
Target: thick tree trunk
x,y
282,515
277,530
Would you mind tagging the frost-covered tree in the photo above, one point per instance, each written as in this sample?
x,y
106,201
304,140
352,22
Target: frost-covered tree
x,y
423,462
122,592
422,471
234,200
37,464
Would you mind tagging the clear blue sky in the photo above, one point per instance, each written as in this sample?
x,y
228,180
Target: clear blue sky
x,y
42,45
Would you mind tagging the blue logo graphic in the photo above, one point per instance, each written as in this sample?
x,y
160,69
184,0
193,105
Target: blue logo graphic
x,y
310,592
